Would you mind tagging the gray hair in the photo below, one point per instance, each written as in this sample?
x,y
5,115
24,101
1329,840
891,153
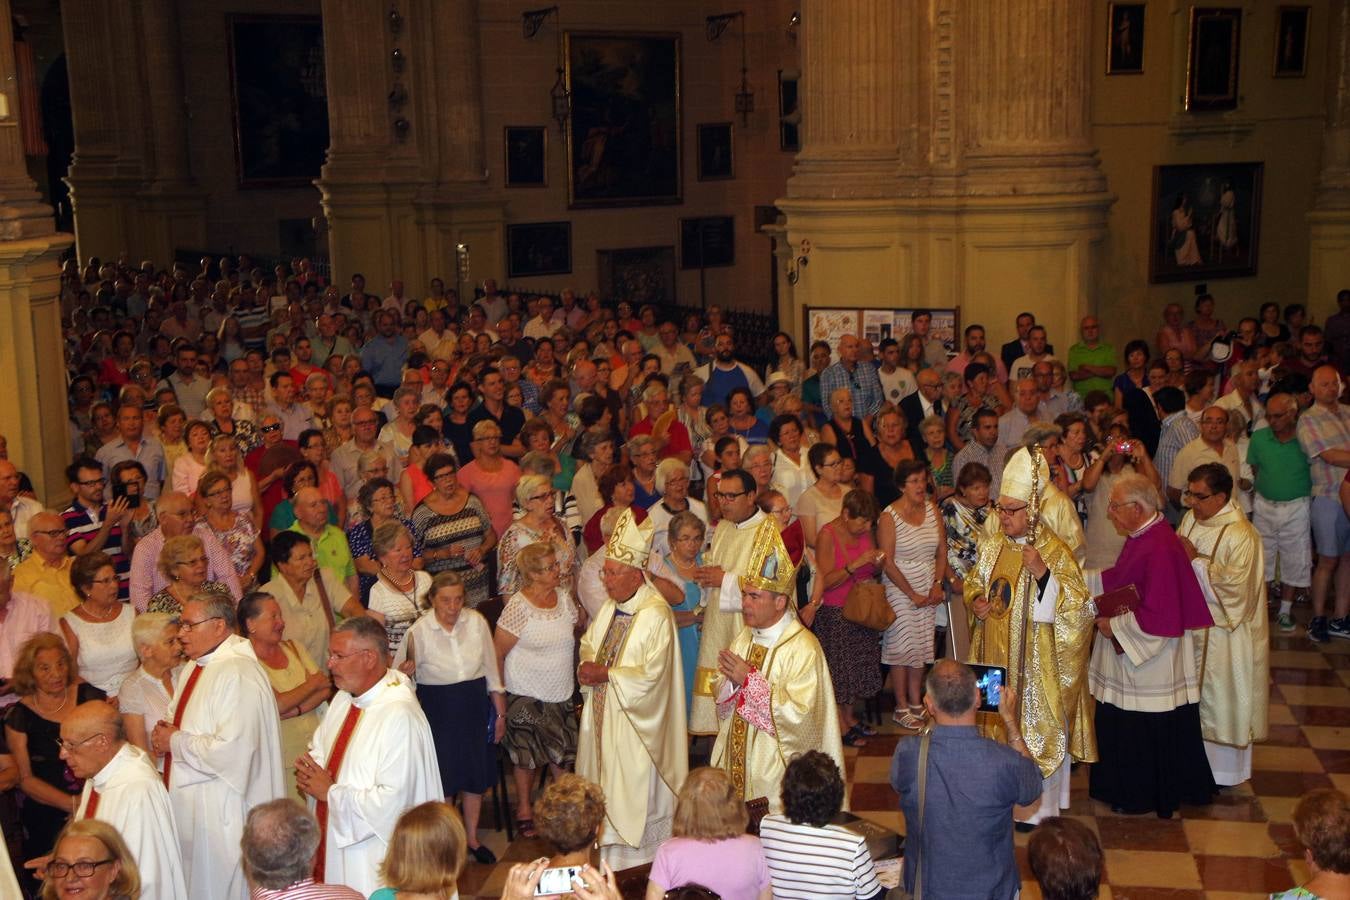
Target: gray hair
x,y
641,442
665,470
686,519
384,537
528,485
593,437
278,845
932,422
652,389
951,684
148,628
951,378
1039,433
366,631
368,459
1134,488
754,451
537,462
217,607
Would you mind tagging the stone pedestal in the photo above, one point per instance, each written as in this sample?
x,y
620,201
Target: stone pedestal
x,y
1329,221
33,409
946,160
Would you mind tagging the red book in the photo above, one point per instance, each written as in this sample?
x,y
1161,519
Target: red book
x,y
1113,603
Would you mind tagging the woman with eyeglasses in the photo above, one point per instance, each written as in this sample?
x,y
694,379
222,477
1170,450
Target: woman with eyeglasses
x,y
297,681
182,560
378,504
537,524
822,501
90,861
224,456
98,631
235,530
146,693
454,529
49,688
535,643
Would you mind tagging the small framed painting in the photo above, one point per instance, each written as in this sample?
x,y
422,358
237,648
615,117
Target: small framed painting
x,y
526,164
539,248
707,242
715,161
1212,59
1291,41
1125,39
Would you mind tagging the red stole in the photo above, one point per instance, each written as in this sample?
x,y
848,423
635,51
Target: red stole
x,y
344,737
178,714
91,809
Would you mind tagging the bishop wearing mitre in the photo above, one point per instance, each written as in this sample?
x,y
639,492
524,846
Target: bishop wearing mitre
x,y
775,698
632,739
1031,613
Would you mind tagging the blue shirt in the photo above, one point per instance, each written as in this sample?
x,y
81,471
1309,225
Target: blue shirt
x,y
383,358
863,385
966,846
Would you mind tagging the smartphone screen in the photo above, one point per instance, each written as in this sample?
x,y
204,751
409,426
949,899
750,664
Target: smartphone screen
x,y
557,881
990,680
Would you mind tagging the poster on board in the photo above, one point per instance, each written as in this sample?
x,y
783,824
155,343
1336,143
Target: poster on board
x,y
875,325
829,325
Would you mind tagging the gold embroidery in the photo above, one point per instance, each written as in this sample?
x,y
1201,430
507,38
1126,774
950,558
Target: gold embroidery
x,y
609,652
740,728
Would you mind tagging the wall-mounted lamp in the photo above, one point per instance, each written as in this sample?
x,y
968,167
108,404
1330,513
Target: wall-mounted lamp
x,y
797,263
794,22
745,98
560,98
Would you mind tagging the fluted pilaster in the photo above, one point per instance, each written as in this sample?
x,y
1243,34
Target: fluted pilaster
x,y
355,61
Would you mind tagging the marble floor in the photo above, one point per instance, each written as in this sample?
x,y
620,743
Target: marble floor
x,y
1241,846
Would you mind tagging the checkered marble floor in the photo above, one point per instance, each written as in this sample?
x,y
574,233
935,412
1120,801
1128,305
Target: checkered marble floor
x,y
1241,846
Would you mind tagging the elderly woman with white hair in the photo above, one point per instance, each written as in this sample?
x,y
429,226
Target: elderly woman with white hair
x,y
538,523
672,483
643,457
145,694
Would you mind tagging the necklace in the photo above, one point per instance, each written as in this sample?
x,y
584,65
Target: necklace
x,y
108,617
410,592
65,698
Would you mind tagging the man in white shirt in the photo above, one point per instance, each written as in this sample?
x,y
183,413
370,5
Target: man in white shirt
x,y
545,324
897,382
1037,349
21,508
122,788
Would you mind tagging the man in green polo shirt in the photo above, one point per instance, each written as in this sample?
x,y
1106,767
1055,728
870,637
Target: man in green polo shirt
x,y
1092,364
1282,504
331,550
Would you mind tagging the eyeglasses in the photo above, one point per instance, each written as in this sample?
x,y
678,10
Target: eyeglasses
x,y
729,495
90,483
1009,510
72,746
52,532
341,656
188,626
268,429
83,868
1114,505
1194,496
548,496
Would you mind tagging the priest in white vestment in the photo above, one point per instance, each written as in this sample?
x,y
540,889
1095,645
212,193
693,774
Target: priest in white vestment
x,y
371,759
221,748
123,788
1227,556
632,740
724,561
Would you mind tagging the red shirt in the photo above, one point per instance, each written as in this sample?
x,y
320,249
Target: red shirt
x,y
677,437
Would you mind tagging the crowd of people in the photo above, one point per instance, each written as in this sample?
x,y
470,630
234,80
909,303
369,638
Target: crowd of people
x,y
331,556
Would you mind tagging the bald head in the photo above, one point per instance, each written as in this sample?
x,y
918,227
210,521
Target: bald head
x,y
47,531
310,508
9,481
91,735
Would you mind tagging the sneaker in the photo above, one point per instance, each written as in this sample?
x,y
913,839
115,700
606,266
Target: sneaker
x,y
1286,622
1339,628
1317,630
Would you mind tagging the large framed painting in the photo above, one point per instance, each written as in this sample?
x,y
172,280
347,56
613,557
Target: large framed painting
x,y
526,161
637,274
1213,53
1206,221
1125,39
1291,41
539,248
623,138
280,99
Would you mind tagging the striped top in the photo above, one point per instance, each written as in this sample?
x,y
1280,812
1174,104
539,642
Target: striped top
x,y
830,863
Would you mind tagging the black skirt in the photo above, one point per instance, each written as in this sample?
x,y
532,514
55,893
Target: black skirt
x,y
1150,762
461,717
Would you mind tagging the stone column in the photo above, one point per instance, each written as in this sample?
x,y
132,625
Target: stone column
x,y
33,410
1329,221
173,208
458,90
108,166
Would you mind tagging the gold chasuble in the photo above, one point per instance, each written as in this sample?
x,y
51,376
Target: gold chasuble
x,y
1050,675
786,704
730,549
632,739
1235,665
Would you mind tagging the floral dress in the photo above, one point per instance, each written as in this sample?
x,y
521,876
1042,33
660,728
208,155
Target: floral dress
x,y
241,540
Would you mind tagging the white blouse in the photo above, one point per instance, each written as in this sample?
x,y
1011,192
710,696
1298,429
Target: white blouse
x,y
399,609
107,654
463,653
540,664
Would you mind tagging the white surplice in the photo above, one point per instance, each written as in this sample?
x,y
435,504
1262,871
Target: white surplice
x,y
132,799
389,766
226,760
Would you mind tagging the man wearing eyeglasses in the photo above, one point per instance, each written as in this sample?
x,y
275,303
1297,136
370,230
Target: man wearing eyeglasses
x,y
370,759
1213,445
365,438
46,571
221,746
122,788
176,517
730,549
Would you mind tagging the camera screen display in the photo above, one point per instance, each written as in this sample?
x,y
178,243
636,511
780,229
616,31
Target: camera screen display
x,y
990,681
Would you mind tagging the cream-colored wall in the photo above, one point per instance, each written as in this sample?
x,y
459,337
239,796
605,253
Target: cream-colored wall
x,y
243,219
1138,123
517,75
